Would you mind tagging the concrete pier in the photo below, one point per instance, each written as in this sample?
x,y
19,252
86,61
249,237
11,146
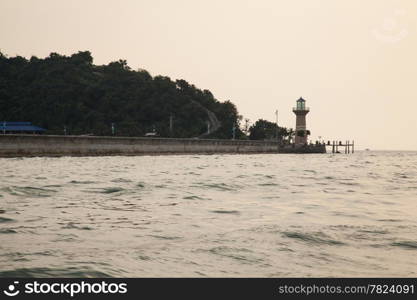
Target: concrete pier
x,y
55,145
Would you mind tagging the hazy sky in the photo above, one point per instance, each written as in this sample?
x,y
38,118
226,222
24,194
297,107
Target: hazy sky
x,y
354,61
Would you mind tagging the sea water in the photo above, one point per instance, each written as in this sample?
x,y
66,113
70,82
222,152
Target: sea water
x,y
273,215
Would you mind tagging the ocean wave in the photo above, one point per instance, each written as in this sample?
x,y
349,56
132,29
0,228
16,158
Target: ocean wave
x,y
231,212
29,191
4,220
409,245
318,238
42,272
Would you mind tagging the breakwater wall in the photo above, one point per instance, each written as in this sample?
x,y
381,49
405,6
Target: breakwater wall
x,y
55,145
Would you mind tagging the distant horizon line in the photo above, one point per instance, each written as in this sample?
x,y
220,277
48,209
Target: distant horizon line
x,y
380,150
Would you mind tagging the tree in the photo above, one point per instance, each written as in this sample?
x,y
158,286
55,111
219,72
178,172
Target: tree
x,y
290,135
245,127
303,133
265,130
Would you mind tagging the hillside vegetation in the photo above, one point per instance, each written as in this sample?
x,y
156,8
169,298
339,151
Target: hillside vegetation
x,y
71,92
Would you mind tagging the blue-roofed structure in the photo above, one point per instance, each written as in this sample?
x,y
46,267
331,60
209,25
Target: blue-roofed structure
x,y
19,127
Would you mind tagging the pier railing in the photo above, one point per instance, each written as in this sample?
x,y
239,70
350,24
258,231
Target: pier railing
x,y
349,146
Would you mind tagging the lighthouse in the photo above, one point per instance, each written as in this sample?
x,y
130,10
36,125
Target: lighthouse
x,y
301,131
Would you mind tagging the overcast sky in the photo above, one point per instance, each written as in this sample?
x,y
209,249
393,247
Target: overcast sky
x,y
354,61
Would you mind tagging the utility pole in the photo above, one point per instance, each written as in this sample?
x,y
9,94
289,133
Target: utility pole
x,y
277,130
171,124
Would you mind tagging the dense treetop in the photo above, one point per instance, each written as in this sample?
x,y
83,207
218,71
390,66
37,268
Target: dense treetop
x,y
70,91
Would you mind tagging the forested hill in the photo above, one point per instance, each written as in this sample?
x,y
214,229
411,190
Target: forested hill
x,y
70,91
